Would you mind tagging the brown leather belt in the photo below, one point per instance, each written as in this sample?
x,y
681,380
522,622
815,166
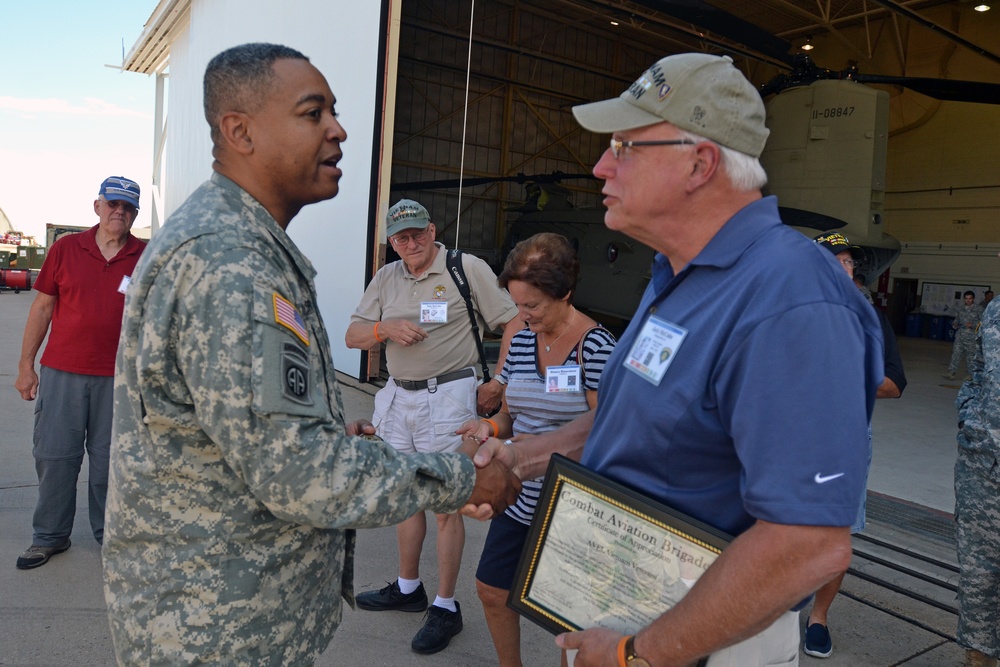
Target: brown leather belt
x,y
417,385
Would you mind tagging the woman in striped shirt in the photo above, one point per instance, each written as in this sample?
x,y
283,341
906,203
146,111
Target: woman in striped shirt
x,y
552,371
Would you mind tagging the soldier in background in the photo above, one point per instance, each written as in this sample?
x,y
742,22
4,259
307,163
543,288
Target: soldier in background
x,y
235,481
966,321
977,499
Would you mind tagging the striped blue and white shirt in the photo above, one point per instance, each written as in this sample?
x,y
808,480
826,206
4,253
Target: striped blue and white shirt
x,y
534,410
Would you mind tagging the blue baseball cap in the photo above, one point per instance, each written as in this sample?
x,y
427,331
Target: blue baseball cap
x,y
119,188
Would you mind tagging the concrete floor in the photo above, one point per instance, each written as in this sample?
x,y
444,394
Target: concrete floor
x,y
55,615
914,435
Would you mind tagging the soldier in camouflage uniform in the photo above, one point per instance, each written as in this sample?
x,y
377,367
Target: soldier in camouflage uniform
x,y
966,321
235,481
977,498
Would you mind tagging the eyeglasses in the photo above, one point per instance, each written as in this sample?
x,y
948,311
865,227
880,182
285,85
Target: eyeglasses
x,y
403,241
849,262
617,146
116,204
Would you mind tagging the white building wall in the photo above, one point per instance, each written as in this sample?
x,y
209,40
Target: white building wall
x,y
341,38
963,265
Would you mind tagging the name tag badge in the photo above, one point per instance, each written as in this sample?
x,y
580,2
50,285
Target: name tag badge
x,y
654,349
123,285
562,378
433,312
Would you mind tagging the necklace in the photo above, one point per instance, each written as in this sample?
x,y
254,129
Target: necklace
x,y
548,346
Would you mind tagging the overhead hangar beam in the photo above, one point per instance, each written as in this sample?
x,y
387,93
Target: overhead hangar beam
x,y
939,29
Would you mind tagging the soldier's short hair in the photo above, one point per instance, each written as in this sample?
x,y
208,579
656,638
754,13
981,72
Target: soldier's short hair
x,y
239,79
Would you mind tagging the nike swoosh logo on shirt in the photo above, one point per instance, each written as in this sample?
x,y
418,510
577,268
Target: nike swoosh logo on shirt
x,y
821,479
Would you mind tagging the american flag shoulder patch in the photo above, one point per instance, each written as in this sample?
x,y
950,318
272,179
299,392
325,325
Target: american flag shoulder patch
x,y
286,315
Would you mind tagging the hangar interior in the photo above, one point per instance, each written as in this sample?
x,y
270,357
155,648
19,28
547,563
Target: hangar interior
x,y
530,61
482,90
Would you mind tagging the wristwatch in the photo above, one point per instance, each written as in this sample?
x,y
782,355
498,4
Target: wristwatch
x,y
499,380
631,659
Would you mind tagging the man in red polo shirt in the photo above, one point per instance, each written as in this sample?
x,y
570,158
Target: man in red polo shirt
x,y
81,294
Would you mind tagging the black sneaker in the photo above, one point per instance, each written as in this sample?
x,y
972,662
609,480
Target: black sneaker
x,y
818,641
441,625
391,598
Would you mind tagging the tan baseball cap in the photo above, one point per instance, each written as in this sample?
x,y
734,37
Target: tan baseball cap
x,y
697,92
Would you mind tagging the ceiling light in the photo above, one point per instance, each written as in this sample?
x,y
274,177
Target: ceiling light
x,y
982,8
808,45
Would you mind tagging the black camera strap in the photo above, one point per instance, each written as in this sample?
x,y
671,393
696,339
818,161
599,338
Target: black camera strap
x,y
454,263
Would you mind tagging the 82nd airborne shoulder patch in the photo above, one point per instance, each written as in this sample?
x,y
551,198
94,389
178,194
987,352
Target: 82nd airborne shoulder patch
x,y
295,374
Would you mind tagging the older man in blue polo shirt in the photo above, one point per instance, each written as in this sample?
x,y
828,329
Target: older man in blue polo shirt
x,y
754,419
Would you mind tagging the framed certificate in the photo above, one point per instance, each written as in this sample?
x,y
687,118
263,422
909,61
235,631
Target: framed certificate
x,y
602,555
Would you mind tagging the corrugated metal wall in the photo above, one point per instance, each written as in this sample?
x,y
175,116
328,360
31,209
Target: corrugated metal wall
x,y
528,70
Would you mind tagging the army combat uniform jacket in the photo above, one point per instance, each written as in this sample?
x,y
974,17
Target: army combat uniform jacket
x,y
966,315
977,492
232,478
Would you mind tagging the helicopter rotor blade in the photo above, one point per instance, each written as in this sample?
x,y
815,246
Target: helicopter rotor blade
x,y
450,183
729,26
940,89
724,24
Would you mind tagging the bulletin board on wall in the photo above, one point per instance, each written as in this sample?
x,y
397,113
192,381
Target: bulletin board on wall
x,y
945,298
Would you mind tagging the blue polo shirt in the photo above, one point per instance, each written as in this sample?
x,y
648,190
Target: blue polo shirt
x,y
764,409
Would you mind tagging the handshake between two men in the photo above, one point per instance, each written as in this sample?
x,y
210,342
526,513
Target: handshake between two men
x,y
497,487
497,481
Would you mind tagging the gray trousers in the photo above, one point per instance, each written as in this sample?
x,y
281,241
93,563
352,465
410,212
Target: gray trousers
x,y
72,417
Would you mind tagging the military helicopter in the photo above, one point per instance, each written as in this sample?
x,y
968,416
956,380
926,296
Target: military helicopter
x,y
825,160
826,155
